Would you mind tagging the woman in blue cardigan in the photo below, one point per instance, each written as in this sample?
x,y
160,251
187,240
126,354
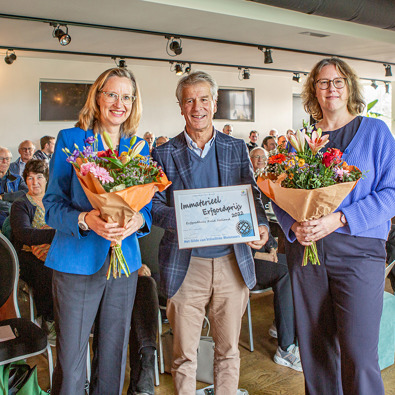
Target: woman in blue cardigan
x,y
79,254
338,304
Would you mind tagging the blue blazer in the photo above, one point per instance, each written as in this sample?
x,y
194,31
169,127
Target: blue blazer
x,y
234,168
72,251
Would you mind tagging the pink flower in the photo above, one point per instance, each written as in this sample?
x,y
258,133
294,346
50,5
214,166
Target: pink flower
x,y
102,174
86,167
298,140
316,142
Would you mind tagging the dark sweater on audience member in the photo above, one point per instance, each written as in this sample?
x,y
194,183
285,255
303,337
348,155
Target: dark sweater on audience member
x,y
21,218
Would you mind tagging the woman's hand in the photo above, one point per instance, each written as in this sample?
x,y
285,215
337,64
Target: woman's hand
x,y
109,231
308,232
133,225
144,270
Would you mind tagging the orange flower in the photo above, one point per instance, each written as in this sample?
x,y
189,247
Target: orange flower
x,y
279,158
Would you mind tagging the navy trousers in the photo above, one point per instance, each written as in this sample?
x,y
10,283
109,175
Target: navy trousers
x,y
338,308
80,301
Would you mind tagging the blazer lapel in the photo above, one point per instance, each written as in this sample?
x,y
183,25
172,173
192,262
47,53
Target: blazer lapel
x,y
224,155
181,160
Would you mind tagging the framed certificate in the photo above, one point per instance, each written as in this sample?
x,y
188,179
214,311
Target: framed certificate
x,y
215,216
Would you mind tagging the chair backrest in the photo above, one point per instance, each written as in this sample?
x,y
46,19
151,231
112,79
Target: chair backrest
x,y
149,247
9,275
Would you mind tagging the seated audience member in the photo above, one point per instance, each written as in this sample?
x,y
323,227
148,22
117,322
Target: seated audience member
x,y
274,133
143,331
31,238
26,150
161,140
290,132
228,129
47,144
272,271
269,144
149,137
253,139
12,185
282,141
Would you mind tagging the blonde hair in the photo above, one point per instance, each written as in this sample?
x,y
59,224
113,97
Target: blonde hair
x,y
355,103
89,117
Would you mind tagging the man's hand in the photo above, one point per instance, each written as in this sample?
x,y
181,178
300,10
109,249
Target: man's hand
x,y
264,236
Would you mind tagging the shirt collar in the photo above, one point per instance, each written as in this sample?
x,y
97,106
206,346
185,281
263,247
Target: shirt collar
x,y
193,146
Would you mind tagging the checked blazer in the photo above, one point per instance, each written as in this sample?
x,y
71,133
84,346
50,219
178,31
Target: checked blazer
x,y
234,168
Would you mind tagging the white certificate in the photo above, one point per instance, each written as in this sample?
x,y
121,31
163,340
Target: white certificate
x,y
215,216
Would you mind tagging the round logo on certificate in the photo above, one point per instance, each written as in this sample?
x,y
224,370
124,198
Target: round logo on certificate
x,y
243,227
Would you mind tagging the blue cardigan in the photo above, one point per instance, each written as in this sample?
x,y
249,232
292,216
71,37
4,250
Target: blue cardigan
x,y
72,251
371,204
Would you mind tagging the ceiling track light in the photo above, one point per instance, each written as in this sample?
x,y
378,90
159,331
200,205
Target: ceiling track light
x,y
121,64
387,87
63,36
268,55
174,45
177,68
188,69
244,73
296,77
10,58
388,71
373,84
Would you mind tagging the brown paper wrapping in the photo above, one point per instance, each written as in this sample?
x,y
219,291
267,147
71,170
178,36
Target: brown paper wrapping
x,y
119,206
306,204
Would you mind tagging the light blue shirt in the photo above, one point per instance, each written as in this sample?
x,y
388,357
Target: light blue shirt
x,y
198,151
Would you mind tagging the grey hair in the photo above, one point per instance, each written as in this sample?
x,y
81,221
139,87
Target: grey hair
x,y
256,149
195,78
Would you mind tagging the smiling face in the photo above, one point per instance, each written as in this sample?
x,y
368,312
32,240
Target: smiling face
x,y
258,158
36,182
270,145
198,108
331,100
282,141
113,115
26,150
253,137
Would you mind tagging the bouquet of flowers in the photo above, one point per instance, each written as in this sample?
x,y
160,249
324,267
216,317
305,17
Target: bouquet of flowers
x,y
307,184
117,185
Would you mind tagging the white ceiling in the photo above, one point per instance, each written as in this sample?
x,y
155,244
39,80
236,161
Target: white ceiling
x,y
233,20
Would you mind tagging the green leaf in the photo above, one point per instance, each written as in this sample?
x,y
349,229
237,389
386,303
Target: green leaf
x,y
116,162
371,104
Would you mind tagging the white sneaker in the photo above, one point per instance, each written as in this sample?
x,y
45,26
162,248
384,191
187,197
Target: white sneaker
x,y
289,358
273,331
210,390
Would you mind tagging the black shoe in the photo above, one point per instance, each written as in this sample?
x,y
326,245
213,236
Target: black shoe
x,y
145,384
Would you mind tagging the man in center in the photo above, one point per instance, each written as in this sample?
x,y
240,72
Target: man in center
x,y
217,277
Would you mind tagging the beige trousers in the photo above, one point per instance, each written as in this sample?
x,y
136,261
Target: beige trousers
x,y
218,284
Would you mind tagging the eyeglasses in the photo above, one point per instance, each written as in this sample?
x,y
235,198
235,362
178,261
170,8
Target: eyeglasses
x,y
2,159
112,97
258,157
27,149
338,83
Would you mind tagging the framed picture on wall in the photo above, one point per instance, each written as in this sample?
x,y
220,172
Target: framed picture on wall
x,y
236,104
62,100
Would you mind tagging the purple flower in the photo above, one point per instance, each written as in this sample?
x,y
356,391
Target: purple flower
x,y
88,151
73,157
90,140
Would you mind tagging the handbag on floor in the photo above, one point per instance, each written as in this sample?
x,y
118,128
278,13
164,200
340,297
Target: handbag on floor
x,y
205,355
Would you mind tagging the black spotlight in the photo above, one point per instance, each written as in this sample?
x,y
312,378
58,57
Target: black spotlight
x,y
387,87
63,37
174,45
10,58
188,69
246,74
388,71
296,77
268,56
373,84
178,69
122,64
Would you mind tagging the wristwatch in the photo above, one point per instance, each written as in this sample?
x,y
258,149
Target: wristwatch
x,y
343,219
81,221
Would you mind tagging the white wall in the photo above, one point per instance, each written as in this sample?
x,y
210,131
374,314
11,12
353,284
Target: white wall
x,y
19,98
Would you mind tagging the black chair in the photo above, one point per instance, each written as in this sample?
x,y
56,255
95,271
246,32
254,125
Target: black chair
x,y
30,340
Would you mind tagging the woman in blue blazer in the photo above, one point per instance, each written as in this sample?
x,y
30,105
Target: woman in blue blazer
x,y
79,254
